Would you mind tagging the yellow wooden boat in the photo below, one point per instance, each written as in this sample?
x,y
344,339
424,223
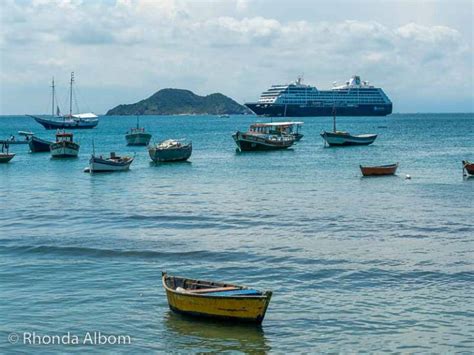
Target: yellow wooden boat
x,y
215,299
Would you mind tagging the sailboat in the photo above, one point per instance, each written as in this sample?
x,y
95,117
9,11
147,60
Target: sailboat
x,y
71,121
341,138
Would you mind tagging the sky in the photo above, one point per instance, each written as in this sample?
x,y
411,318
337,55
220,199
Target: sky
x,y
122,51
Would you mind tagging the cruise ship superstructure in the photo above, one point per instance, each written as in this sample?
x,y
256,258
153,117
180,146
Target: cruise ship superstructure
x,y
354,98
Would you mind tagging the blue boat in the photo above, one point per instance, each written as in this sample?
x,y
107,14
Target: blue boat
x,y
70,121
38,145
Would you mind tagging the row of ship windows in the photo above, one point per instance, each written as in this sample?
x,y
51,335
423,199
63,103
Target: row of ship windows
x,y
320,101
352,93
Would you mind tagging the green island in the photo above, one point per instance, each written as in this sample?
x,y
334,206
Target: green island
x,y
181,102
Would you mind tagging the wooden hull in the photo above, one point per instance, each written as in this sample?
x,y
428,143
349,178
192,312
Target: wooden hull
x,y
345,139
64,150
379,170
138,138
38,145
238,308
253,142
6,157
170,155
468,167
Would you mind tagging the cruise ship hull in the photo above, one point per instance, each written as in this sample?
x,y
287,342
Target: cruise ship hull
x,y
280,110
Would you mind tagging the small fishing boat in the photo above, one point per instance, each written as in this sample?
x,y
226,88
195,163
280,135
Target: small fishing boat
x,y
218,300
5,155
39,145
64,147
137,136
171,150
341,138
468,168
112,163
379,170
263,136
70,121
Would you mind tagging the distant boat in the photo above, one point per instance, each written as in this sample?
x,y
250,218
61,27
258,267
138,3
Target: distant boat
x,y
112,163
137,136
224,116
38,145
209,299
5,155
468,167
379,170
263,136
70,121
64,147
171,150
340,138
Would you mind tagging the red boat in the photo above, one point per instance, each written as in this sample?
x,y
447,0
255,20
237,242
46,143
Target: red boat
x,y
379,170
468,167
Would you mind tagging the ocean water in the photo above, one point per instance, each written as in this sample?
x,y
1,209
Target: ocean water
x,y
355,264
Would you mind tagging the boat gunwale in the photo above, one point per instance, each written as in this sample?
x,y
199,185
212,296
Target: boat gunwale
x,y
388,166
265,294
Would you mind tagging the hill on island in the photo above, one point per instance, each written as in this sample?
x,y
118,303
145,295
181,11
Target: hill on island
x,y
179,102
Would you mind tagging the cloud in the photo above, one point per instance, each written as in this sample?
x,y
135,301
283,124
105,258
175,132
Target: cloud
x,y
223,46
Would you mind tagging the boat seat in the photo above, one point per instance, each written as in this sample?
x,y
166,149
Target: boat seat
x,y
215,289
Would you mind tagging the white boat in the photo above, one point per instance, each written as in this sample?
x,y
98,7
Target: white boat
x,y
64,147
137,136
345,138
108,164
341,138
70,121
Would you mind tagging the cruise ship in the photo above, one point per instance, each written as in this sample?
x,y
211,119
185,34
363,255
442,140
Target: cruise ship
x,y
354,98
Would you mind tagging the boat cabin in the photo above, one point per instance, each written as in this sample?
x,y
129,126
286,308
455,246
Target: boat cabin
x,y
64,137
276,128
136,130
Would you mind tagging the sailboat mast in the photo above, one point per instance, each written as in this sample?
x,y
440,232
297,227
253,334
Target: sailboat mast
x,y
70,95
52,103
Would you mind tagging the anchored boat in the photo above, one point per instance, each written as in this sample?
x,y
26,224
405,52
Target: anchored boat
x,y
137,136
70,121
263,136
468,168
113,163
39,145
171,150
218,300
379,170
5,155
340,138
64,147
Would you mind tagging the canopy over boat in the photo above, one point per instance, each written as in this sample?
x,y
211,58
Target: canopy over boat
x,y
278,124
84,115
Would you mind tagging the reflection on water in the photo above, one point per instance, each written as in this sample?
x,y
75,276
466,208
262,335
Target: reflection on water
x,y
196,335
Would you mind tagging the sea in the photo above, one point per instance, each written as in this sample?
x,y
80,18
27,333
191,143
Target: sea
x,y
382,264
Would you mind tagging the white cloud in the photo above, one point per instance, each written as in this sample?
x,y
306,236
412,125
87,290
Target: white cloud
x,y
220,46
